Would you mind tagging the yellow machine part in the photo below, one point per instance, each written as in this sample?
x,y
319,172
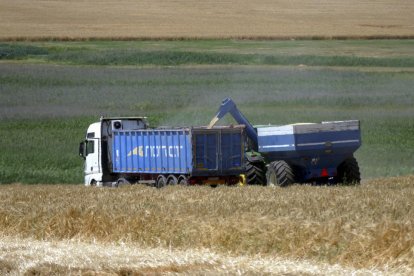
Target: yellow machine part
x,y
242,180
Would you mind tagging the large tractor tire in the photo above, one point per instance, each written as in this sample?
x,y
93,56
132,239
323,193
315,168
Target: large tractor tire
x,y
348,172
255,173
280,173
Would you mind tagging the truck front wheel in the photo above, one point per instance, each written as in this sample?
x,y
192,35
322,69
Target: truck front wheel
x,y
279,173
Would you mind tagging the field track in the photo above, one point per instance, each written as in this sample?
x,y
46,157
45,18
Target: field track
x,y
20,256
181,19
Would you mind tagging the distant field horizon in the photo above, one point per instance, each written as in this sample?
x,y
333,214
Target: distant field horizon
x,y
156,19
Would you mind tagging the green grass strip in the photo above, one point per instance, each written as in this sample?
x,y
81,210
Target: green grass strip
x,y
83,56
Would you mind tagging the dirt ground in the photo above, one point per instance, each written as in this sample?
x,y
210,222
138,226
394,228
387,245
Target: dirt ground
x,y
27,256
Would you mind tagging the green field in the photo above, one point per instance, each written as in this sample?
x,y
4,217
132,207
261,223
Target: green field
x,y
366,53
51,91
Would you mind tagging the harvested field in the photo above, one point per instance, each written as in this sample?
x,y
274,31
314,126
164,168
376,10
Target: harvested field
x,y
128,19
370,226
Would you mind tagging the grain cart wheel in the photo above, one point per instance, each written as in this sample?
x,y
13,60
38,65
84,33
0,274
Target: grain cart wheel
x,y
161,181
348,172
255,172
182,180
172,180
279,173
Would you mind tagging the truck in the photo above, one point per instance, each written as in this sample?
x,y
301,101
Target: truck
x,y
279,155
124,150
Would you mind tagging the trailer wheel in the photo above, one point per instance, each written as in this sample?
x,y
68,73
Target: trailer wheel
x,y
172,180
161,181
182,180
280,173
348,172
255,173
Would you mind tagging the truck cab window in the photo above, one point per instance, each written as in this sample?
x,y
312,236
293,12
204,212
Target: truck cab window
x,y
90,147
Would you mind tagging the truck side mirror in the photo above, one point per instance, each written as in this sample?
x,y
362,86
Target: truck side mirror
x,y
82,150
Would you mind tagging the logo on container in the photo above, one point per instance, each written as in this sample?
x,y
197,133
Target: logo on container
x,y
156,151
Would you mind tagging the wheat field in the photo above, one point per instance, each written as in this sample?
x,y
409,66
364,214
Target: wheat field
x,y
127,19
94,258
365,227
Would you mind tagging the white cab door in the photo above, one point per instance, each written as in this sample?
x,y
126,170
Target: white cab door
x,y
92,164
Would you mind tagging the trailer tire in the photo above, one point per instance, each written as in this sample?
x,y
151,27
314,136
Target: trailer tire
x,y
280,173
161,181
182,180
172,180
348,172
255,173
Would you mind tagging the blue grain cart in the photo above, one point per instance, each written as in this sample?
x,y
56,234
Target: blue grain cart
x,y
309,152
120,151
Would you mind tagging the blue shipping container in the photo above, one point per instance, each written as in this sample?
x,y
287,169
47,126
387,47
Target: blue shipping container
x,y
195,151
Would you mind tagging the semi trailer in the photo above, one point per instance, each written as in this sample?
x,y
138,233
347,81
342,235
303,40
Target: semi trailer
x,y
124,150
302,153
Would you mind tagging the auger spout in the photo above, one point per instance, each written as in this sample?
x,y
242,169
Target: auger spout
x,y
228,106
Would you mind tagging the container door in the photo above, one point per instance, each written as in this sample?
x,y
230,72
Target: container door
x,y
206,151
231,151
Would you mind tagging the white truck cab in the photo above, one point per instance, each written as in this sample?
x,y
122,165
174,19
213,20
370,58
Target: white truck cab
x,y
94,149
